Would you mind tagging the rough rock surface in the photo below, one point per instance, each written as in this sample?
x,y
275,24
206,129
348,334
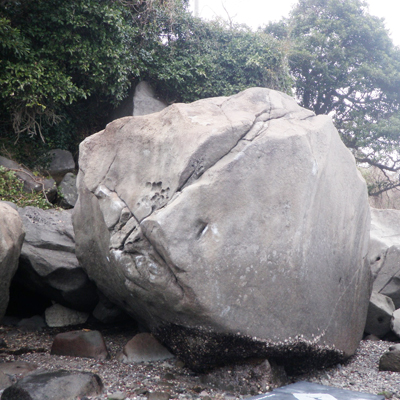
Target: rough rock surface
x,y
395,322
10,371
80,344
379,315
145,100
11,238
68,191
384,253
144,347
58,315
62,162
233,227
48,264
55,385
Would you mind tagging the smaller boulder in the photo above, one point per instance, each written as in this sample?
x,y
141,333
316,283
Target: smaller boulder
x,y
48,264
145,100
32,324
58,315
395,322
62,162
390,361
80,344
55,385
143,347
379,315
68,191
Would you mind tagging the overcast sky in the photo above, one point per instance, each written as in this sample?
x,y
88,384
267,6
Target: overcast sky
x,y
259,12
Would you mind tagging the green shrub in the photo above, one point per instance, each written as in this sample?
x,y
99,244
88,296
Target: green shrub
x,y
11,189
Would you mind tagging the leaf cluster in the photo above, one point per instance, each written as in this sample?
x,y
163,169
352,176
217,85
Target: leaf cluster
x,y
208,59
55,53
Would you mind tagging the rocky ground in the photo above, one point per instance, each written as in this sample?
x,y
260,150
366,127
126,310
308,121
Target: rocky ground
x,y
171,380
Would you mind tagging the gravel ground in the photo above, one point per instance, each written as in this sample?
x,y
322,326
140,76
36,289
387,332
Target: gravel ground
x,y
150,380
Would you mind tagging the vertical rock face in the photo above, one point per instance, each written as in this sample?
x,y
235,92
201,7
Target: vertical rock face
x,y
243,217
11,237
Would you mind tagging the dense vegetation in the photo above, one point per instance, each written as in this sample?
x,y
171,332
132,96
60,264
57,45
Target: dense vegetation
x,y
12,189
65,65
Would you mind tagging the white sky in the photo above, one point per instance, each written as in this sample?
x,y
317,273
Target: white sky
x,y
258,12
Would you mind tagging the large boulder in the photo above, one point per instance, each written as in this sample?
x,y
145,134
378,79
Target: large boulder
x,y
48,264
62,162
11,237
233,227
384,253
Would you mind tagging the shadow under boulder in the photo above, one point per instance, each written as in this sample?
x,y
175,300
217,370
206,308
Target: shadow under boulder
x,y
48,264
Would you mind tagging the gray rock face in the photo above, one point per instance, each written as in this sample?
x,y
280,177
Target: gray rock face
x,y
48,264
384,253
11,237
145,101
231,218
379,315
9,371
55,385
68,190
31,182
62,162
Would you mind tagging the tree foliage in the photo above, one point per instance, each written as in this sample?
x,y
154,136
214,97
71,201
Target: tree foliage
x,y
65,65
55,53
208,59
344,64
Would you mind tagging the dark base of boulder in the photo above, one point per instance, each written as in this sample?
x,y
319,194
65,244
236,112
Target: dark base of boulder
x,y
202,350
